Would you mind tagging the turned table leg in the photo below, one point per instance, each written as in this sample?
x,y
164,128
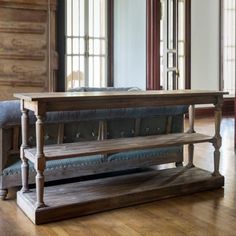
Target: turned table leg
x,y
25,164
191,130
217,138
190,155
40,162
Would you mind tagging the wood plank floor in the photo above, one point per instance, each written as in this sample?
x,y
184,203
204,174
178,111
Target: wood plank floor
x,y
207,213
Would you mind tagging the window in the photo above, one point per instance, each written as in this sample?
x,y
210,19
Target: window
x,y
86,43
181,44
172,43
228,46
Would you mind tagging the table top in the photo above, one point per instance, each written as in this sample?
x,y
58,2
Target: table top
x,y
56,96
71,101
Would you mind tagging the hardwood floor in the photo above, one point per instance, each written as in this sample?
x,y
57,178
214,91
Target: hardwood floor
x,y
206,213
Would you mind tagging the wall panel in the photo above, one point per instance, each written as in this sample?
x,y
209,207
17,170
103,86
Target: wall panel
x,y
28,60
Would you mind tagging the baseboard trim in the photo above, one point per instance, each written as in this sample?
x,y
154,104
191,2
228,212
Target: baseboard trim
x,y
227,109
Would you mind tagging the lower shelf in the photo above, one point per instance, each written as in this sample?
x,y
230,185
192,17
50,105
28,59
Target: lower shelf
x,y
83,198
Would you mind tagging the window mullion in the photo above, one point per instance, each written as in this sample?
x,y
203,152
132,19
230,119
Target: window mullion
x,y
72,57
86,42
79,66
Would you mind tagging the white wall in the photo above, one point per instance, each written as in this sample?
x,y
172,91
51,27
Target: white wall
x,y
205,44
130,43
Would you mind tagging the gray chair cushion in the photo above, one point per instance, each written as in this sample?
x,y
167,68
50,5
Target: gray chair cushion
x,y
10,114
145,154
109,89
15,168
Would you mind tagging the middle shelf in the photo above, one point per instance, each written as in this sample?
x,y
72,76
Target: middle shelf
x,y
109,146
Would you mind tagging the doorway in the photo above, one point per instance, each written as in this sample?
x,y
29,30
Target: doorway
x,y
168,44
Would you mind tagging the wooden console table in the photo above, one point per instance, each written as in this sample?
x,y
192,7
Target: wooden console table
x,y
87,197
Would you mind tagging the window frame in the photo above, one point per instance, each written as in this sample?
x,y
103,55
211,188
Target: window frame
x,y
61,45
221,47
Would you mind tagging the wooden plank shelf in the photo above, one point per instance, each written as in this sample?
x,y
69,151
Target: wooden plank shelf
x,y
86,197
61,151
